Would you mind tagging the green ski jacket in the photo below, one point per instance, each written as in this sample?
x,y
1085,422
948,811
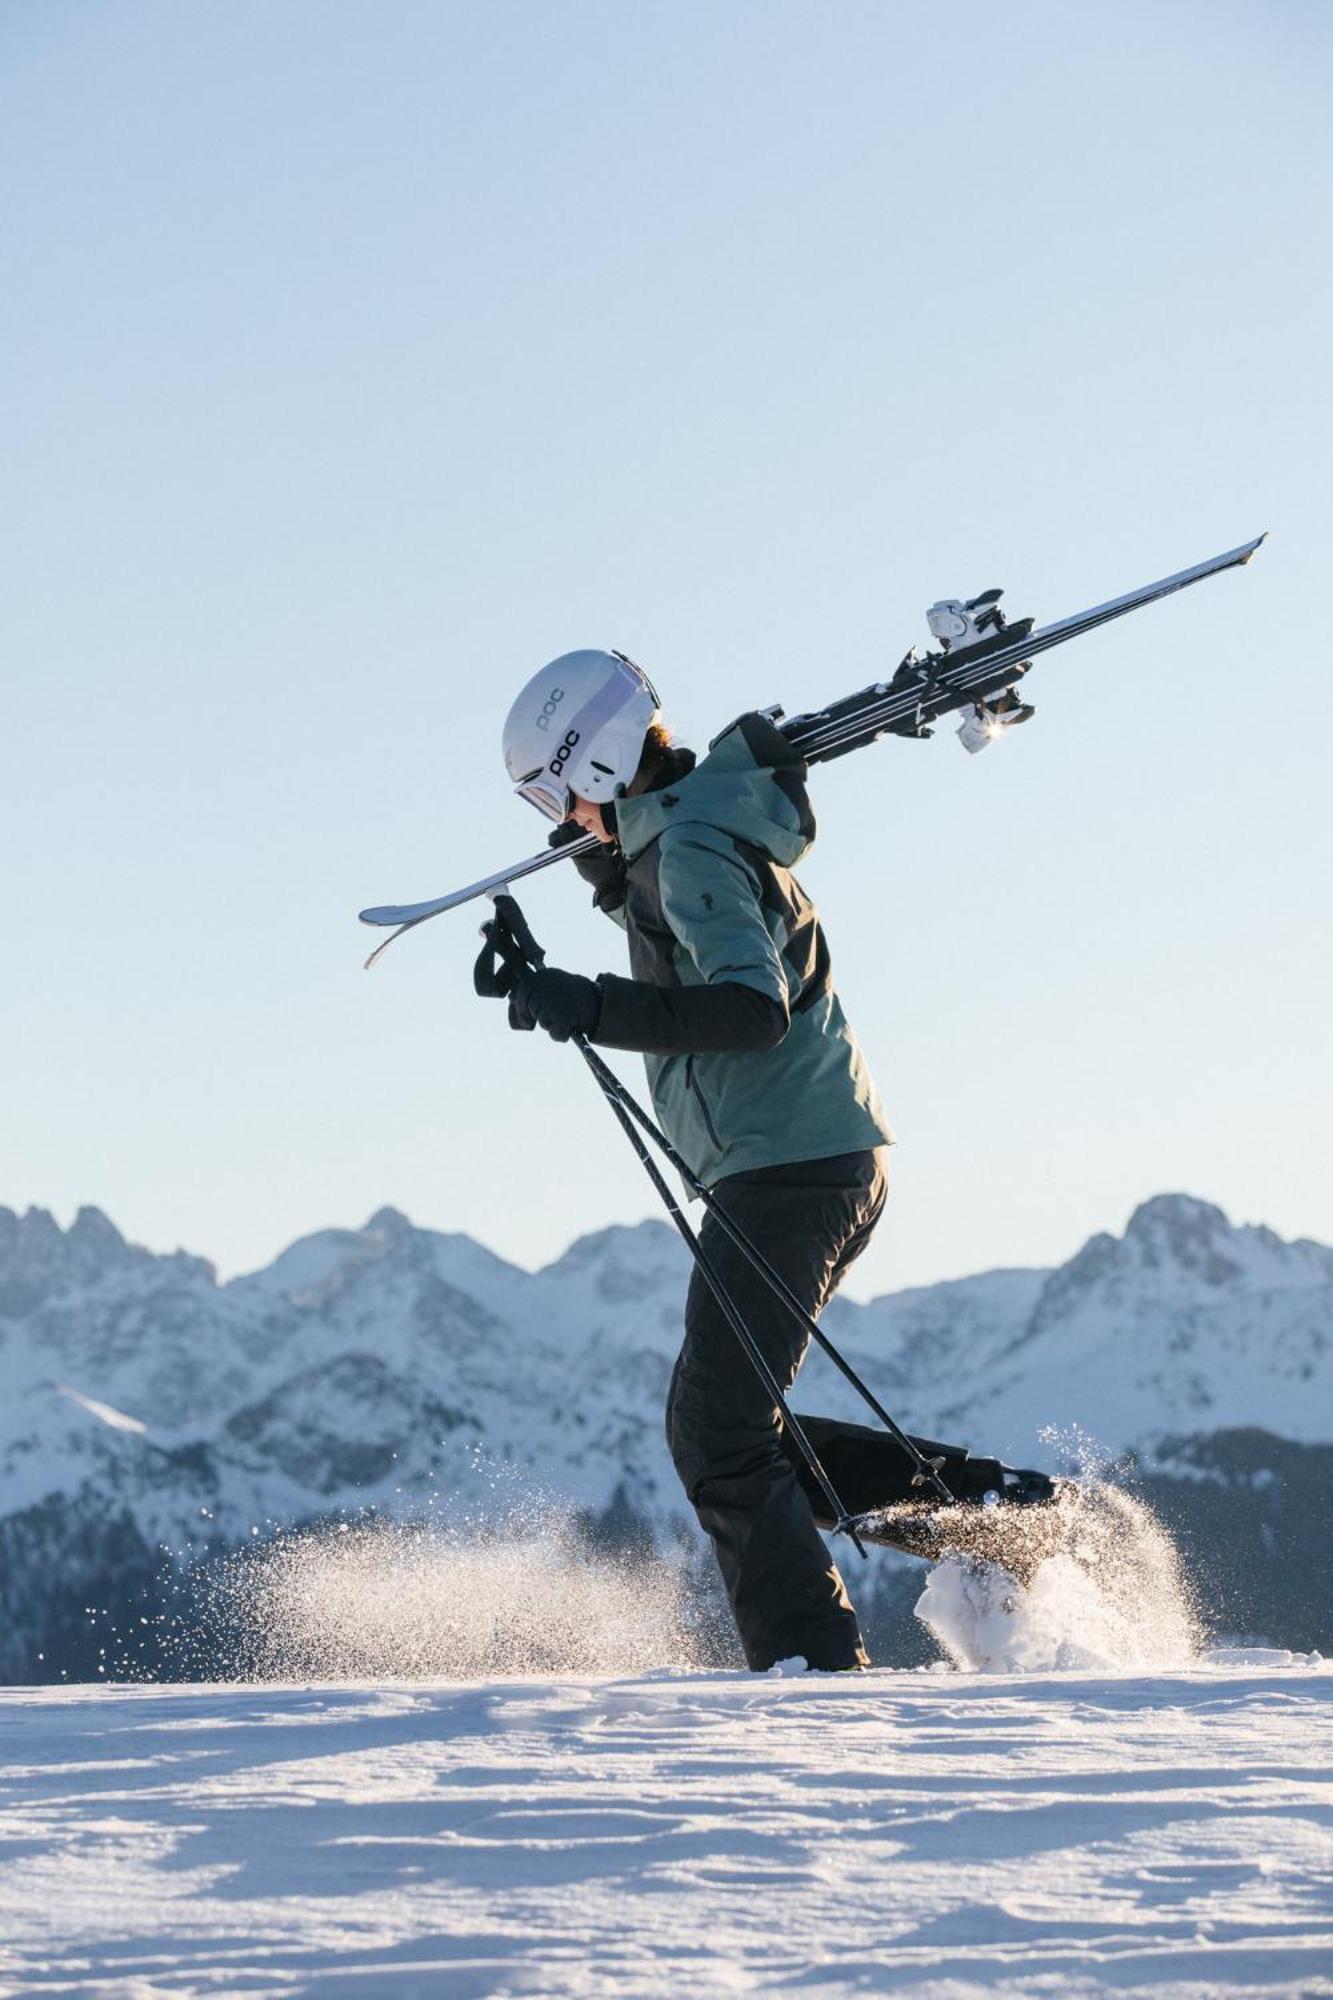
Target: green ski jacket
x,y
710,899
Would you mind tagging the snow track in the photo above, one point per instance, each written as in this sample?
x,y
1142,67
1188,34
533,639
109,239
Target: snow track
x,y
933,1833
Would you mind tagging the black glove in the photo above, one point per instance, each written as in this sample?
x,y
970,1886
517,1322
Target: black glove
x,y
564,1003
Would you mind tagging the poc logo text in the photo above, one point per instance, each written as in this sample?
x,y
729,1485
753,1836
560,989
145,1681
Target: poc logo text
x,y
562,755
549,707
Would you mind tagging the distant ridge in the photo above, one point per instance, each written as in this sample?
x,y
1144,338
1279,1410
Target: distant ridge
x,y
384,1365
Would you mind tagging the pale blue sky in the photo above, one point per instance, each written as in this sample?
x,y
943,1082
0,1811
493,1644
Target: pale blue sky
x,y
359,358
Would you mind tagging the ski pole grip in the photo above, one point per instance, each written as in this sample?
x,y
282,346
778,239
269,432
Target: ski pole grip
x,y
509,954
514,938
491,976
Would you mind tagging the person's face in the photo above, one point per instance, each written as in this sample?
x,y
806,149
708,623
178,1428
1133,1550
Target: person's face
x,y
589,816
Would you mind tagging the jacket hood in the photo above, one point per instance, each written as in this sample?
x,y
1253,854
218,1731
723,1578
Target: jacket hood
x,y
751,785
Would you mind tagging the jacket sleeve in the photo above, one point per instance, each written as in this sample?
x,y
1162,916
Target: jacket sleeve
x,y
712,901
727,1019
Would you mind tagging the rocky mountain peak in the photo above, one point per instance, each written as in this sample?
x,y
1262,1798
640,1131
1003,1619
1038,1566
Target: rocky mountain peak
x,y
625,1263
92,1229
1180,1230
28,1235
1180,1253
389,1222
39,1259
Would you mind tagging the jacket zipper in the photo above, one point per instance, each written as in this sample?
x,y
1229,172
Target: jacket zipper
x,y
698,1097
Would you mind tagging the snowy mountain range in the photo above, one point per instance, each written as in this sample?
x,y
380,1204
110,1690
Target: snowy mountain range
x,y
144,1404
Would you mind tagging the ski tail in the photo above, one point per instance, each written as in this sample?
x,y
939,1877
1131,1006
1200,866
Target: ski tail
x,y
405,916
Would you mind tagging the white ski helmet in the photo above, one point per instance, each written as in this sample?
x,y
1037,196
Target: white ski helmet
x,y
578,727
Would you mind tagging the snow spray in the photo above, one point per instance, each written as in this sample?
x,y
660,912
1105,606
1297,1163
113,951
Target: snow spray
x,y
1114,1598
394,1600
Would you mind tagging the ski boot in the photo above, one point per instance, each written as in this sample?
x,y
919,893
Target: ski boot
x,y
1011,1516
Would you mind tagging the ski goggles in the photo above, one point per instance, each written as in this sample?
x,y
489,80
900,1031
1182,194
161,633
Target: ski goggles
x,y
554,800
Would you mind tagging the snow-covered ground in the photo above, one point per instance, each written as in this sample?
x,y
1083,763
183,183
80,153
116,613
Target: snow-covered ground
x,y
937,1833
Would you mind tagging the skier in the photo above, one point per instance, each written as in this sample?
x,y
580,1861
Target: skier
x,y
760,1083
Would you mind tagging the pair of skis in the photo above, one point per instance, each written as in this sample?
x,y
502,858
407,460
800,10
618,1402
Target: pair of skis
x,y
979,676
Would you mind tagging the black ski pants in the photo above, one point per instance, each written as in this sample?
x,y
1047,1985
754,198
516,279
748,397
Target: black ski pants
x,y
810,1220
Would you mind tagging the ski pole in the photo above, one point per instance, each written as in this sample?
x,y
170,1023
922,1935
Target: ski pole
x,y
509,938
926,1470
843,1522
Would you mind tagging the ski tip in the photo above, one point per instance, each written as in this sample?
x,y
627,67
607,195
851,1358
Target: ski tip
x,y
1257,543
